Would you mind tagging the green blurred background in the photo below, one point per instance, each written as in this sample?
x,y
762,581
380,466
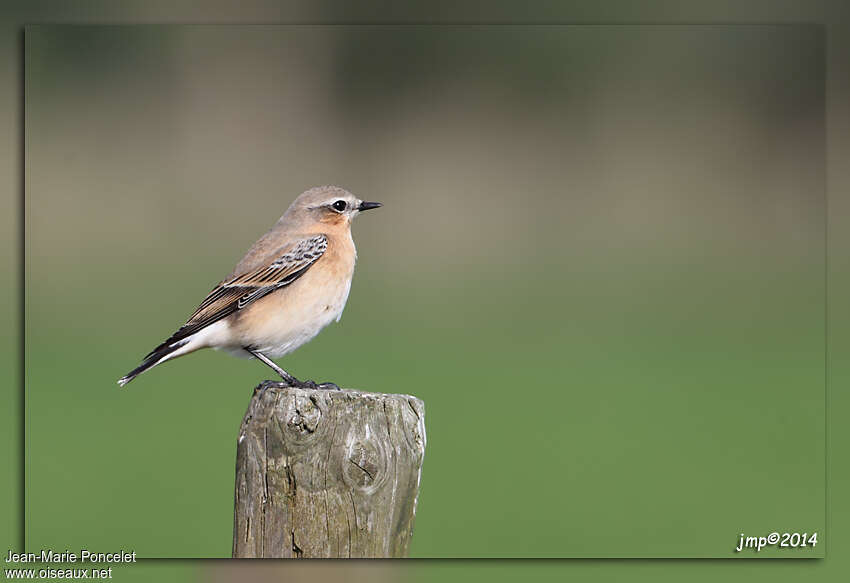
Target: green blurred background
x,y
600,264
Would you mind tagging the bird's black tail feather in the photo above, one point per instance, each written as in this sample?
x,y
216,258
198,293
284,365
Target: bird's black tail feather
x,y
151,360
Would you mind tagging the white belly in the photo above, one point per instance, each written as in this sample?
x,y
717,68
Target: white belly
x,y
289,318
284,335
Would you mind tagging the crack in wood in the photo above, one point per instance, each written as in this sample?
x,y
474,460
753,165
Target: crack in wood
x,y
295,549
365,471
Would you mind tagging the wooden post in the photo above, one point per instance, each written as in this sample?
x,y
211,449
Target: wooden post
x,y
327,473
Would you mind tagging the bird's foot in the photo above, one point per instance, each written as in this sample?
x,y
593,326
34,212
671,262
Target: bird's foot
x,y
265,385
320,386
294,383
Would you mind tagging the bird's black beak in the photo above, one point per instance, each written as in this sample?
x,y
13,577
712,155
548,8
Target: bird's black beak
x,y
365,206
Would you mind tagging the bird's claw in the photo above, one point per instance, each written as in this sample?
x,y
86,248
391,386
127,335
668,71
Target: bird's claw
x,y
263,386
313,385
296,384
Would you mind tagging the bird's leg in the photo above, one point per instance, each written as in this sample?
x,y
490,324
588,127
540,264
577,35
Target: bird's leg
x,y
287,378
290,380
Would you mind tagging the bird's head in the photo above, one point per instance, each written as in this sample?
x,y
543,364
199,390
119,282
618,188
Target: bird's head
x,y
328,205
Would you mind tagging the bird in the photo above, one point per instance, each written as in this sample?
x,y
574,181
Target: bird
x,y
292,282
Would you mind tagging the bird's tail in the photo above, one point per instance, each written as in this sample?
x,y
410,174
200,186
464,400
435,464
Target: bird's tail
x,y
158,355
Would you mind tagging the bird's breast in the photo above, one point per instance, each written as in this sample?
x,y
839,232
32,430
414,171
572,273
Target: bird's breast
x,y
291,316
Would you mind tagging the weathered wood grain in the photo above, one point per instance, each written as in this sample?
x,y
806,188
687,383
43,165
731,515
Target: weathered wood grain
x,y
327,473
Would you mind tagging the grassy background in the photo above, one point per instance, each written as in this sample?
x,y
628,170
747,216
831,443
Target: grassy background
x,y
600,264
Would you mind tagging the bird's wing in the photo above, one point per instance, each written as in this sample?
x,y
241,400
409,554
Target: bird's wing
x,y
238,292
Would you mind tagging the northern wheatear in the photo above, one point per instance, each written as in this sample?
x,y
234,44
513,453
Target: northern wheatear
x,y
293,282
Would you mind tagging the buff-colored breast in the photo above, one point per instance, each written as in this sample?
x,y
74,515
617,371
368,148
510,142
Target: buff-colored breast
x,y
291,316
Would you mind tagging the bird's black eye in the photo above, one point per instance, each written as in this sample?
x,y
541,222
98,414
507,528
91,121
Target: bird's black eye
x,y
339,205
